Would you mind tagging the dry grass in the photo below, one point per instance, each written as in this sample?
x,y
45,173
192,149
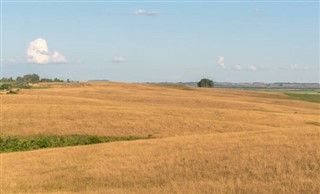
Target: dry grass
x,y
209,140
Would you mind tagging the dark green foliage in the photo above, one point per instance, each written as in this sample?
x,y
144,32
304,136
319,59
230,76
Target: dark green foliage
x,y
8,88
24,81
205,83
13,144
46,80
13,91
51,80
5,86
31,78
4,79
22,85
57,80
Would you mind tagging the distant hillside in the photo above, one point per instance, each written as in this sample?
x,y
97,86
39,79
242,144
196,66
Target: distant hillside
x,y
256,85
99,80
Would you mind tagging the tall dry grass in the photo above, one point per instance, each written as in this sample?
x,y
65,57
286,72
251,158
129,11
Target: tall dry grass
x,y
209,141
130,109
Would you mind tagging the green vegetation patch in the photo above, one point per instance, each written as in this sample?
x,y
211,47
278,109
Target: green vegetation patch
x,y
14,144
305,97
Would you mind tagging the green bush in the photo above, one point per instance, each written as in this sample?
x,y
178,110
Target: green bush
x,y
205,83
5,86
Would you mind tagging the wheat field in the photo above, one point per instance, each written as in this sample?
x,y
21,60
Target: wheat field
x,y
204,140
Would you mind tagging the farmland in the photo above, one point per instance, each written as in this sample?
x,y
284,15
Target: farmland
x,y
188,140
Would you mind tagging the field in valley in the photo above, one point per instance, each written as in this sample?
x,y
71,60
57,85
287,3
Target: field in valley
x,y
202,140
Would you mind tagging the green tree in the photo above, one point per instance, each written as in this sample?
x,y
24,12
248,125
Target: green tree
x,y
205,83
57,80
31,78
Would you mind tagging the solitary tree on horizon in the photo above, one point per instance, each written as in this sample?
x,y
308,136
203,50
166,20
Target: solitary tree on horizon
x,y
205,83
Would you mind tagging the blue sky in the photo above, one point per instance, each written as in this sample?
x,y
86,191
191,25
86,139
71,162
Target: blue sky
x,y
162,41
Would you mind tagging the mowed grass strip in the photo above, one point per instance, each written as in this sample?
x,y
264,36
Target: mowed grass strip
x,y
14,144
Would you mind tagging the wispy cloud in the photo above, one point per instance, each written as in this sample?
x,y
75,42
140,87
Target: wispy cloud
x,y
252,68
173,77
38,52
146,13
297,67
221,62
238,67
257,10
294,66
10,60
118,59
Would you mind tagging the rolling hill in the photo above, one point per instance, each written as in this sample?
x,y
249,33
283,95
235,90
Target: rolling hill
x,y
204,140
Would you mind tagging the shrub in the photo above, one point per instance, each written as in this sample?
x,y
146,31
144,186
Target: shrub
x,y
5,86
205,83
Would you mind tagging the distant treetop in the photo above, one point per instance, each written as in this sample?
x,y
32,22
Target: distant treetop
x,y
205,83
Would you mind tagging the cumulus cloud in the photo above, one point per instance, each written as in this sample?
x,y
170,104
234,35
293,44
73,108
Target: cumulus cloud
x,y
146,13
38,52
118,59
238,67
221,62
57,57
252,68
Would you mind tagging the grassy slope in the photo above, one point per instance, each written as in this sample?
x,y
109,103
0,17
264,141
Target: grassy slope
x,y
212,140
299,94
305,97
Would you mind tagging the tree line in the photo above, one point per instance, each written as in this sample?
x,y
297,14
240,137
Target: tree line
x,y
24,81
30,78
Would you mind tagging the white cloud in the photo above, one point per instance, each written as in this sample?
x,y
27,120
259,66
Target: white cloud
x,y
221,62
238,67
57,57
118,59
38,52
252,68
144,12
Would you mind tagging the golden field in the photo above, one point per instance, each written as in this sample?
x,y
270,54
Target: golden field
x,y
205,140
